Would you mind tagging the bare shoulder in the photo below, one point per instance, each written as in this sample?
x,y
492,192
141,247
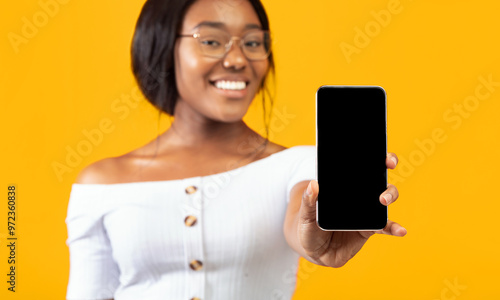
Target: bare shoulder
x,y
100,172
117,169
273,148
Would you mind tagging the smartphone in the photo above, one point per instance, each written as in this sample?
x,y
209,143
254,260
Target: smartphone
x,y
351,145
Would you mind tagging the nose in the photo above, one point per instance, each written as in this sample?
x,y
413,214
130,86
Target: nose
x,y
235,57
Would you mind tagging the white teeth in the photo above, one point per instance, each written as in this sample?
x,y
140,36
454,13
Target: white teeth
x,y
230,85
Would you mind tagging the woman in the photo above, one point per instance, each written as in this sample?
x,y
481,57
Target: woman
x,y
210,209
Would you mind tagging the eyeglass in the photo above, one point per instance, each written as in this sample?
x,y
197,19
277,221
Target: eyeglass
x,y
214,42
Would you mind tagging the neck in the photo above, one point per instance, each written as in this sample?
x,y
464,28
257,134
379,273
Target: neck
x,y
191,130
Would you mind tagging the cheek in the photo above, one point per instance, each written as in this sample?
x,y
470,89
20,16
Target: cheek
x,y
190,70
261,69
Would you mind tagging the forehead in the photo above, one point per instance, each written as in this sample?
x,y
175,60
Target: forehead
x,y
233,15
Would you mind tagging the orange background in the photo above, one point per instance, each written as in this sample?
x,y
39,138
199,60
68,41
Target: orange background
x,y
432,58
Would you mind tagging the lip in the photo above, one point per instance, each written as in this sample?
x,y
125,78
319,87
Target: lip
x,y
231,93
230,78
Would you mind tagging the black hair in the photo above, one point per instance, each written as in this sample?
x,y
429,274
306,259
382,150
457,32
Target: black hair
x,y
152,51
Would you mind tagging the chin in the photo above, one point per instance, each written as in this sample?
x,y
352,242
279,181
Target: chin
x,y
232,111
229,117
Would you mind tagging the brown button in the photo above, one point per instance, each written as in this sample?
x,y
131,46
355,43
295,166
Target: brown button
x,y
191,189
190,220
196,265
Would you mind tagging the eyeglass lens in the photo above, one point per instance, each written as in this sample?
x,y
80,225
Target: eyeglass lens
x,y
215,42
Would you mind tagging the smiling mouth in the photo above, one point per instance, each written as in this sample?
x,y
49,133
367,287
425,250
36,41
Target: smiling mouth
x,y
230,85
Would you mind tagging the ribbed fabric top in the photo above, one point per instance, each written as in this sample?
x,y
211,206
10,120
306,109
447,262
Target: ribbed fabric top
x,y
213,237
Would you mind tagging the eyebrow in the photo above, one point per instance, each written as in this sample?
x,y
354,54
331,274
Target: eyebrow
x,y
223,26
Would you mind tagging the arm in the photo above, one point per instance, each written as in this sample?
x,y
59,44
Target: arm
x,y
93,273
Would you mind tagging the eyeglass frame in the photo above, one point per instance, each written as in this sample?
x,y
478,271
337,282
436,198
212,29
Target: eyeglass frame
x,y
228,46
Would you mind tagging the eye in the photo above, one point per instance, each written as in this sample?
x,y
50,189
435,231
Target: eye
x,y
253,44
211,43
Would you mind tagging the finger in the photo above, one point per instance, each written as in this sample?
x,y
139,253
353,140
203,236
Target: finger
x,y
389,195
391,160
393,228
307,212
312,238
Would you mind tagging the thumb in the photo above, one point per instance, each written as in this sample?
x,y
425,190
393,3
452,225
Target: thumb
x,y
307,212
312,238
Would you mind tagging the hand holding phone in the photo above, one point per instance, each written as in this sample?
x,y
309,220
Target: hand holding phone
x,y
352,162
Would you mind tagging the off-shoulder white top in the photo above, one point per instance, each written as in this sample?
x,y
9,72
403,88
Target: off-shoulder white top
x,y
213,237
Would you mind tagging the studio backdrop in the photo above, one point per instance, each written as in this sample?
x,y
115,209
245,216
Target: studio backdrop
x,y
69,99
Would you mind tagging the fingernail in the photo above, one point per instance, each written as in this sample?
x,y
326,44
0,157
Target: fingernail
x,y
388,198
309,190
394,160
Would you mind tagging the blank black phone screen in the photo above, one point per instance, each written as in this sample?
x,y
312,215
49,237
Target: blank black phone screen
x,y
351,143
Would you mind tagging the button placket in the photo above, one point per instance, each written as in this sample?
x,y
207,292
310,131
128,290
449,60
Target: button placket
x,y
193,240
